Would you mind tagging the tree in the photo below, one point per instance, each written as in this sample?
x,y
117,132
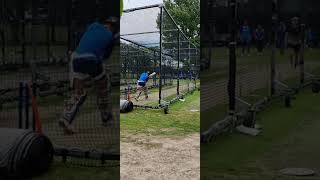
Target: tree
x,y
187,15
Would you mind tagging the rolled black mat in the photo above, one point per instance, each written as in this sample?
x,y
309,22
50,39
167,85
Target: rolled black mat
x,y
126,106
24,153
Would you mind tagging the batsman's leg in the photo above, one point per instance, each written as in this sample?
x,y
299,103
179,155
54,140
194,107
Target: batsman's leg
x,y
72,106
104,101
139,91
145,90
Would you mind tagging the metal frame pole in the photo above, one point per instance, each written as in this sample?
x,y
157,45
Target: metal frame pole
x,y
21,103
48,26
23,33
160,55
178,78
70,12
273,42
2,32
154,68
302,73
54,20
33,36
27,98
232,59
189,69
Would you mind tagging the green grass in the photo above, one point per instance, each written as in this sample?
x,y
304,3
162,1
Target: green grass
x,y
68,172
179,122
221,55
236,156
218,112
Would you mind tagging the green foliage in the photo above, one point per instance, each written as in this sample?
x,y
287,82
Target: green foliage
x,y
187,14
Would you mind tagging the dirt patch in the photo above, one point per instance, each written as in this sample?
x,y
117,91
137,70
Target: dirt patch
x,y
152,158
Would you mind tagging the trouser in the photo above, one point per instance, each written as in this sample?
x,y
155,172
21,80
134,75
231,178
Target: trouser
x,y
142,87
84,68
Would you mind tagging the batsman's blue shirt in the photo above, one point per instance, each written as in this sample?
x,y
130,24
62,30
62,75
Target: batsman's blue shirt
x,y
144,77
95,40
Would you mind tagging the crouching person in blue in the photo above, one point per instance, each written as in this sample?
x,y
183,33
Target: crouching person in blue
x,y
95,45
142,84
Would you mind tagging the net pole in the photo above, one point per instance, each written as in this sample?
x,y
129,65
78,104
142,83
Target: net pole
x,y
302,73
33,35
273,42
23,32
194,71
48,29
53,22
160,55
232,58
189,60
26,98
154,68
2,32
302,48
126,76
69,28
178,78
21,104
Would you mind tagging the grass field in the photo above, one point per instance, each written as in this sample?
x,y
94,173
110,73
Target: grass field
x,y
288,140
220,61
179,121
254,86
61,171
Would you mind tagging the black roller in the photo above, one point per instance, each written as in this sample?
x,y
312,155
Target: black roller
x,y
126,106
24,153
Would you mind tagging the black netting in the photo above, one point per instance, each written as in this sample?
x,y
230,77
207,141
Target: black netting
x,y
152,41
35,42
260,75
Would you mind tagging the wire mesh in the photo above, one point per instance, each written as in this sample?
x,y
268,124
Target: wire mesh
x,y
254,68
152,41
38,38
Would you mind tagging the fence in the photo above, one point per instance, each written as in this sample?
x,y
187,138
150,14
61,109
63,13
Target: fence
x,y
237,86
36,42
152,41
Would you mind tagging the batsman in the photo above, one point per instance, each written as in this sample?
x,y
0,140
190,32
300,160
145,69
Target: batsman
x,y
95,46
142,84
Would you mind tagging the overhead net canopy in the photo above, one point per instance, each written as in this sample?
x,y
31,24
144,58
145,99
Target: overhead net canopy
x,y
141,26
